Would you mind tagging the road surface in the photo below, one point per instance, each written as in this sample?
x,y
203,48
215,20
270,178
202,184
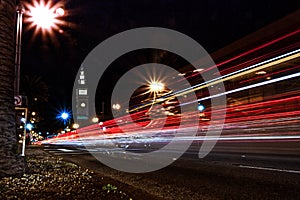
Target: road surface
x,y
233,170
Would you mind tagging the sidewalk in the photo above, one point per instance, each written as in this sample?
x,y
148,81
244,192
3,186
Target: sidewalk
x,y
51,177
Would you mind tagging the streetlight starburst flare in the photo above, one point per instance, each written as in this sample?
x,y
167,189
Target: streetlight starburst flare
x,y
64,116
156,86
44,17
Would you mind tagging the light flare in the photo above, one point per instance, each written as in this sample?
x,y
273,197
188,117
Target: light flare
x,y
44,17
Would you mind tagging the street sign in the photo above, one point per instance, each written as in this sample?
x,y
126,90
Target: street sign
x,y
18,100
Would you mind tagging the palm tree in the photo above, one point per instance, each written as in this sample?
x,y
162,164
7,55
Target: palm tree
x,y
10,163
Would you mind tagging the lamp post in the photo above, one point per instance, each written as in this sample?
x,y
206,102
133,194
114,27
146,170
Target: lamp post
x,y
20,10
44,17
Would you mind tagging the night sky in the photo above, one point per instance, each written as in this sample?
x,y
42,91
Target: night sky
x,y
212,23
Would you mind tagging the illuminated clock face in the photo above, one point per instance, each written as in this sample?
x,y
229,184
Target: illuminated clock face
x,y
82,92
82,105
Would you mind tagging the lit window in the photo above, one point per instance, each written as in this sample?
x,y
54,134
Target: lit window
x,y
82,105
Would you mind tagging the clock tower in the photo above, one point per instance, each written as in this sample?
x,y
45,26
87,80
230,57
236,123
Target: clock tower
x,y
82,98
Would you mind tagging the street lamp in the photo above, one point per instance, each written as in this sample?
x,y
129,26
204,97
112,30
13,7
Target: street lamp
x,y
42,16
45,16
156,87
64,116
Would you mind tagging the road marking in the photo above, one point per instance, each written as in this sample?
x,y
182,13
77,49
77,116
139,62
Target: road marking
x,y
270,169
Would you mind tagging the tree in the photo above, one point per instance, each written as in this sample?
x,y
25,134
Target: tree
x,y
10,163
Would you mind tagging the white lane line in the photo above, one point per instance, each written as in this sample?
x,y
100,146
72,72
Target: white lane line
x,y
270,169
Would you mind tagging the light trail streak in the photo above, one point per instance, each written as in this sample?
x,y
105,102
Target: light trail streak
x,y
257,59
271,74
278,120
273,120
230,138
281,100
255,49
111,141
247,123
256,67
251,86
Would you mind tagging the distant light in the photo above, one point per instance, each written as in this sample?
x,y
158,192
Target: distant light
x,y
76,126
23,120
198,70
60,11
33,113
181,74
201,107
29,127
116,106
95,119
64,115
260,73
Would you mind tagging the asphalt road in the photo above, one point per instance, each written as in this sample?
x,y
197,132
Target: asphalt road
x,y
233,170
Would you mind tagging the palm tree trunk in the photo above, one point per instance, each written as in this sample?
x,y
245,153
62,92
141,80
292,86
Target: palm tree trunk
x,y
10,163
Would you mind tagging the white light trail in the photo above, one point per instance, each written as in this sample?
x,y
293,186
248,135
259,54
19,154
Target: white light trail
x,y
250,86
239,71
259,66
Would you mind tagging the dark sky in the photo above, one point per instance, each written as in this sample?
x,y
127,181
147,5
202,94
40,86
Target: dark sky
x,y
212,23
